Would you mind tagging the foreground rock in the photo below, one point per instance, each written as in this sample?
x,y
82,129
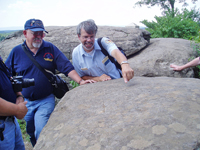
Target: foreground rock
x,y
144,114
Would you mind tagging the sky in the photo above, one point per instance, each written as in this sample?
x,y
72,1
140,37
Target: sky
x,y
14,13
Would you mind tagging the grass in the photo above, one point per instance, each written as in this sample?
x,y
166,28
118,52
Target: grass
x,y
74,84
22,124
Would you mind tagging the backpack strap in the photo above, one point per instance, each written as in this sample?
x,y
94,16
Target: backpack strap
x,y
105,52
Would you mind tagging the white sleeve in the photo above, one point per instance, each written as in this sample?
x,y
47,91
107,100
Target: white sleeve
x,y
108,45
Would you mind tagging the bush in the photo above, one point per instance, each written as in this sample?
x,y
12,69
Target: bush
x,y
180,26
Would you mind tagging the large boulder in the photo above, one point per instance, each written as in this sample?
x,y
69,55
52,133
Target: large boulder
x,y
155,60
65,38
158,113
147,57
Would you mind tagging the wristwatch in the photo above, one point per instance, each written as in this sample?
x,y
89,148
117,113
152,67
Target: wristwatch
x,y
124,62
20,96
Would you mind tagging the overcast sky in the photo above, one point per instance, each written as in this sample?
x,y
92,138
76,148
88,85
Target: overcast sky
x,y
14,13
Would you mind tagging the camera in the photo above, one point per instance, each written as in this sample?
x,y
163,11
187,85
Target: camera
x,y
18,83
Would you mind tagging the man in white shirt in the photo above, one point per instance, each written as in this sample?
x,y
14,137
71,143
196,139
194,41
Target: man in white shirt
x,y
90,63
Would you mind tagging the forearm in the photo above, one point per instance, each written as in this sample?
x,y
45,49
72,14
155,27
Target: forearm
x,y
18,93
118,56
90,78
74,76
7,108
192,63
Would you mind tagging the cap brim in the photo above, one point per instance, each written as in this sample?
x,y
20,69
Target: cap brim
x,y
38,29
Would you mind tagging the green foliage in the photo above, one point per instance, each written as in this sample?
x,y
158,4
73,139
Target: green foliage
x,y
3,36
193,14
22,124
5,33
74,84
179,26
166,5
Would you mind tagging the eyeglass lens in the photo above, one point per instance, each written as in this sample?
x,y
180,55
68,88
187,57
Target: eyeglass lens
x,y
38,33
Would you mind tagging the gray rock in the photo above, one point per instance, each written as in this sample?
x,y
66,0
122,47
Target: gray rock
x,y
155,59
65,38
9,43
158,113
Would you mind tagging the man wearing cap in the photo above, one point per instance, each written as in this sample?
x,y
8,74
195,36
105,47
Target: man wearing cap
x,y
40,98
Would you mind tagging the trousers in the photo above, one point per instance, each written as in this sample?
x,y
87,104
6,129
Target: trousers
x,y
12,135
38,115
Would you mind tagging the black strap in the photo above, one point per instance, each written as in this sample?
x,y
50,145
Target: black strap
x,y
5,69
105,52
37,64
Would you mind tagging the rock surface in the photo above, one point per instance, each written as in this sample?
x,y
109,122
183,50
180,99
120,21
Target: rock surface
x,y
158,113
155,59
65,38
148,58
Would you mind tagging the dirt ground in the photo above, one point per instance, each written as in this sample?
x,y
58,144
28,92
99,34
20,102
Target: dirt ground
x,y
28,145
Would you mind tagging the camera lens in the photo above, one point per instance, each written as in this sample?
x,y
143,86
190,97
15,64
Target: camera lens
x,y
28,82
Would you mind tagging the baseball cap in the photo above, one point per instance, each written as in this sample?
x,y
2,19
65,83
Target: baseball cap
x,y
34,25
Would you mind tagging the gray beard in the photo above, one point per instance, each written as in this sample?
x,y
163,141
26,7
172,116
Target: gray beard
x,y
88,48
36,45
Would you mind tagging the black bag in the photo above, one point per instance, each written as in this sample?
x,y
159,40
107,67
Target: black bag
x,y
59,85
112,59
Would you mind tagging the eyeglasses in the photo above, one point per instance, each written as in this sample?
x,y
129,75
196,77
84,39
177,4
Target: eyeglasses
x,y
88,38
37,33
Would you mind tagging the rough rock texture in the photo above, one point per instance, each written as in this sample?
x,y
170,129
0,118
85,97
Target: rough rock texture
x,y
65,38
158,113
7,45
155,59
147,57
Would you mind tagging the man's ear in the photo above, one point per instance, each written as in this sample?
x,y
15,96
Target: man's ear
x,y
43,35
24,32
79,36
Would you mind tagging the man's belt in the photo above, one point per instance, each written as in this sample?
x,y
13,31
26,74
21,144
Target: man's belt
x,y
3,117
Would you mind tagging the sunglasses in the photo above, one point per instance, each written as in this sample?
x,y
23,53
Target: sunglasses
x,y
37,33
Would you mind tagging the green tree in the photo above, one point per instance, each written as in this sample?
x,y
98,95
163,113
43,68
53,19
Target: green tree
x,y
180,26
166,5
193,14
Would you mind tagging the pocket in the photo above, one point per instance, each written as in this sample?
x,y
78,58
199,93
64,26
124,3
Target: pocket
x,y
109,66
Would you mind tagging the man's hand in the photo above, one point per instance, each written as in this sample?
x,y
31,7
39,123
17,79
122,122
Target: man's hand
x,y
104,77
127,72
22,110
86,81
